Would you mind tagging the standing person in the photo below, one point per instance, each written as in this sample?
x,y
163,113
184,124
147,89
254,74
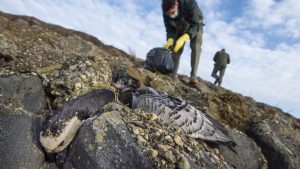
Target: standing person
x,y
221,60
183,20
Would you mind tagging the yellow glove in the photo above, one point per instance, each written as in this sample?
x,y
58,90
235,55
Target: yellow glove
x,y
169,43
179,43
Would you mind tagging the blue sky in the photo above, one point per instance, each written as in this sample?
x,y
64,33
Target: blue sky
x,y
261,36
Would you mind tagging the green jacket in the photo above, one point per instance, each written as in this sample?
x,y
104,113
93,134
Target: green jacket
x,y
222,58
190,14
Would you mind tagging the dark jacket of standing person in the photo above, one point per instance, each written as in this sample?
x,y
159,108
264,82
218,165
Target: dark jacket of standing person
x,y
222,58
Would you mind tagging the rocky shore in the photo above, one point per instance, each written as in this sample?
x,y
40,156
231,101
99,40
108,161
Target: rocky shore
x,y
42,66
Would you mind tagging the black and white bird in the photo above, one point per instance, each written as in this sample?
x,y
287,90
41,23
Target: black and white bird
x,y
60,127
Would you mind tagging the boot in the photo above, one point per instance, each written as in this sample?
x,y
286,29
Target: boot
x,y
174,76
194,81
216,81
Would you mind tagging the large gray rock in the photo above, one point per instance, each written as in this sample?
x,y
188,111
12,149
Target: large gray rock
x,y
19,145
247,154
105,143
279,141
23,91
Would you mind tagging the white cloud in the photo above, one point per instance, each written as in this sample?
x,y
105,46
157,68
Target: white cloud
x,y
269,13
268,75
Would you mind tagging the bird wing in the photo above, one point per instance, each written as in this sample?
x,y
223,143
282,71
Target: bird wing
x,y
190,120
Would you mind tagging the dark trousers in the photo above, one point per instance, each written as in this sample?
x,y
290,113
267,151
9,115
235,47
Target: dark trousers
x,y
219,78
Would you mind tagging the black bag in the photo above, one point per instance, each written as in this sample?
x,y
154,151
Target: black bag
x,y
159,59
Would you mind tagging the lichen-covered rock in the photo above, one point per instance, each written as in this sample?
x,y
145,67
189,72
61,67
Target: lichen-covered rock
x,y
77,76
159,82
24,92
279,141
246,154
19,144
48,166
104,142
22,98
